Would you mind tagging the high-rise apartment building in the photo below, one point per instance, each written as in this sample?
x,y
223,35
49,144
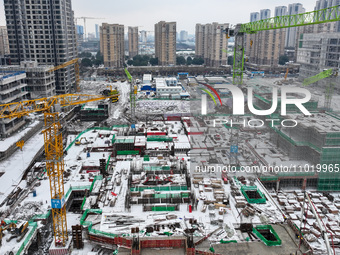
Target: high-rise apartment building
x,y
97,31
4,47
264,14
265,47
183,36
280,11
317,52
291,32
112,44
165,43
43,31
13,89
133,41
212,44
254,16
80,33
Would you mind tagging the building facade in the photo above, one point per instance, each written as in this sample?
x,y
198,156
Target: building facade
x,y
291,32
40,82
183,36
280,11
133,41
254,16
317,52
212,43
4,47
112,44
43,31
165,43
12,89
80,33
264,14
265,48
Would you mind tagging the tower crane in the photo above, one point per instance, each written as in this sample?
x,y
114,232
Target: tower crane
x,y
84,20
53,147
303,19
240,30
331,74
76,70
133,93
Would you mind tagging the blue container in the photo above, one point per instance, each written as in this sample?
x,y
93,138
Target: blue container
x,y
148,92
88,154
34,193
133,126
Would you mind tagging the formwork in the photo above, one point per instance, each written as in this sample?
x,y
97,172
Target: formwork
x,y
267,234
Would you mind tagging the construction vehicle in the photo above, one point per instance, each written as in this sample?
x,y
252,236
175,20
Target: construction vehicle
x,y
74,62
18,231
79,141
112,92
4,226
54,151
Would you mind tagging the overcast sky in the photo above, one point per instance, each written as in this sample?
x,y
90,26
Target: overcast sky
x,y
145,13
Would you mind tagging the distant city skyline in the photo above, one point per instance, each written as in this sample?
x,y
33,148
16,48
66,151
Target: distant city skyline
x,y
187,14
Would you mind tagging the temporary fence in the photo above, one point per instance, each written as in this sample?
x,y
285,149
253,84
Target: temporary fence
x,y
265,240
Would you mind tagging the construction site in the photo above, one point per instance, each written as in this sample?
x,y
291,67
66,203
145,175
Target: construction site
x,y
149,164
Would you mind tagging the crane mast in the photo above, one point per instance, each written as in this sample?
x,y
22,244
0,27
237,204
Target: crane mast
x,y
53,144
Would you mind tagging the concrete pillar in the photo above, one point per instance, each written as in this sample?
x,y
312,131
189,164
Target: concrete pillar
x,y
277,185
304,184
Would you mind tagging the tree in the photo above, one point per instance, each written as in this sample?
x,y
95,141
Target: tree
x,y
180,60
189,61
99,58
86,62
198,61
283,59
130,62
85,54
154,61
230,60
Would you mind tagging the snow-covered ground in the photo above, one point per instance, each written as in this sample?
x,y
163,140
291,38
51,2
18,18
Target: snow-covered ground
x,y
15,166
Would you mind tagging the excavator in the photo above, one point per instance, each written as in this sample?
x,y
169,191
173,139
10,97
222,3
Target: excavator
x,y
18,231
5,226
79,141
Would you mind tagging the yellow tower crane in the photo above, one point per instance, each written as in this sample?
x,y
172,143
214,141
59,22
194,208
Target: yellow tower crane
x,y
53,148
74,62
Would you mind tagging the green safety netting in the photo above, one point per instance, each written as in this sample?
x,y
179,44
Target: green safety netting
x,y
160,188
163,208
34,226
159,138
229,241
332,139
96,178
89,223
75,188
146,158
269,178
156,168
127,152
172,195
41,216
261,200
272,231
